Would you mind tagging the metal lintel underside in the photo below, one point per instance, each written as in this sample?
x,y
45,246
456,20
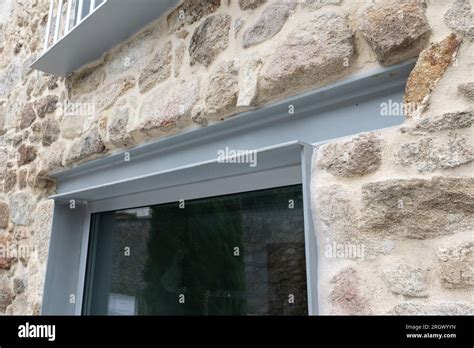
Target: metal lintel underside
x,y
341,109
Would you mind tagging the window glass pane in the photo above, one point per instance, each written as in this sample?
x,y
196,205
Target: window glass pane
x,y
240,254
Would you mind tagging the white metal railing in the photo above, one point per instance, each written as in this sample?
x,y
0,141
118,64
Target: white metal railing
x,y
66,15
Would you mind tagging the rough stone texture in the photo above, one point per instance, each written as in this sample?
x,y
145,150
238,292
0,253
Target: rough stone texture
x,y
18,285
7,259
427,155
10,180
131,55
6,297
428,70
85,147
112,92
157,70
46,105
359,156
406,279
317,49
248,82
4,215
166,107
448,121
317,4
395,31
9,77
238,24
223,88
418,208
50,131
179,58
85,81
53,157
117,128
456,265
444,308
209,39
270,22
19,305
71,126
27,154
27,116
467,90
461,18
346,294
190,12
21,208
250,4
42,228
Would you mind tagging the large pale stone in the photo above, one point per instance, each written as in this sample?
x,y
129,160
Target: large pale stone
x,y
4,215
427,154
358,156
157,70
346,294
461,18
21,207
179,58
42,228
456,265
418,208
248,81
9,77
406,279
117,131
443,308
448,121
107,96
131,55
428,70
270,22
71,126
317,4
209,39
395,31
169,105
86,80
52,158
317,49
190,12
250,4
223,88
467,90
87,146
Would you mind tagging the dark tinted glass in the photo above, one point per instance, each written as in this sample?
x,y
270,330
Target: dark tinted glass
x,y
240,254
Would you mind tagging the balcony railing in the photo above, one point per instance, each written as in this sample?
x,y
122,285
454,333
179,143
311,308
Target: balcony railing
x,y
65,15
81,31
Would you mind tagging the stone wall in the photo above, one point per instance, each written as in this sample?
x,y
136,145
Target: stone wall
x,y
404,194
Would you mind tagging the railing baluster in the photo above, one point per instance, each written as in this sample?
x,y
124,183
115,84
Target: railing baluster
x,y
68,16
48,26
58,21
79,11
92,6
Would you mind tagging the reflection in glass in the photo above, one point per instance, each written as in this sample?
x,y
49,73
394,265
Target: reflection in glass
x,y
240,254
